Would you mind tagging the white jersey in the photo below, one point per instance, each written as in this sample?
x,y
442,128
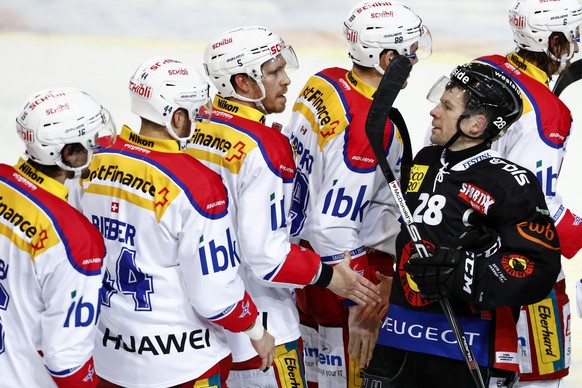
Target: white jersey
x,y
172,267
256,164
338,179
537,141
50,276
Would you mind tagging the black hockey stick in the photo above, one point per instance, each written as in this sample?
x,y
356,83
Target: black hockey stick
x,y
392,81
569,76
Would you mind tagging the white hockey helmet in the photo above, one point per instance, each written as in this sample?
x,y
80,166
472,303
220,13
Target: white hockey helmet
x,y
533,21
52,118
244,50
162,85
374,26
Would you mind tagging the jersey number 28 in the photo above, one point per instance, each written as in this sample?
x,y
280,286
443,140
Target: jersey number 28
x,y
430,209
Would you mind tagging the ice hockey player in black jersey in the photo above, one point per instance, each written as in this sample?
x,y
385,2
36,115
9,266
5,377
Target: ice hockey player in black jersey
x,y
492,245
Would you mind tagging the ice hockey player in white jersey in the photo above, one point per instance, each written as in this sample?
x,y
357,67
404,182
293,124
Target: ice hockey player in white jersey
x,y
342,200
50,254
171,282
546,36
248,66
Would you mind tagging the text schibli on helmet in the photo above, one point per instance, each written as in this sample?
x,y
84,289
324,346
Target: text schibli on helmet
x,y
533,21
374,26
161,85
244,50
52,118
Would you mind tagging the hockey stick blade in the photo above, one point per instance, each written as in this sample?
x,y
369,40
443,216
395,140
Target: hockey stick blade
x,y
568,77
392,81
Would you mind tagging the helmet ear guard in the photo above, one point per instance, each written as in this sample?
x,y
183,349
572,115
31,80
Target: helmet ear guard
x,y
53,118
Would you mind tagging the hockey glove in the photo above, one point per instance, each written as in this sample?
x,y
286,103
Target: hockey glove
x,y
459,270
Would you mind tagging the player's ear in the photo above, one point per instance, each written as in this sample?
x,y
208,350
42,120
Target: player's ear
x,y
557,44
385,57
478,124
74,155
242,83
179,117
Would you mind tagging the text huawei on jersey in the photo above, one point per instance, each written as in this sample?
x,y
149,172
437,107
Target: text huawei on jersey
x,y
158,344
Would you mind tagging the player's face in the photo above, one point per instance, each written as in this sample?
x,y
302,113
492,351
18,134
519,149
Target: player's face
x,y
446,114
276,83
412,56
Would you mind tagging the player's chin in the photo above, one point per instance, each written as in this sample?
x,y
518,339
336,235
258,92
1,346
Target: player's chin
x,y
435,133
279,105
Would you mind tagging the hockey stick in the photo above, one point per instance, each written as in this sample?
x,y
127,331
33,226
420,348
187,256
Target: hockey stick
x,y
392,81
569,76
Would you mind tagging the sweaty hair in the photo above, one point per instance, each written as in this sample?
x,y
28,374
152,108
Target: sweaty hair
x,y
472,105
466,93
541,59
54,171
51,171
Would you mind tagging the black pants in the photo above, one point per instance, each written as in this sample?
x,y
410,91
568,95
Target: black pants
x,y
403,369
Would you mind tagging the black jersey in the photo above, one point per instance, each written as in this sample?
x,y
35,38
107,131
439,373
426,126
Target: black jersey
x,y
446,191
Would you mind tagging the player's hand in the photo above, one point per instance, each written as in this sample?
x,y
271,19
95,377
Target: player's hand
x,y
363,336
460,270
265,347
347,283
379,311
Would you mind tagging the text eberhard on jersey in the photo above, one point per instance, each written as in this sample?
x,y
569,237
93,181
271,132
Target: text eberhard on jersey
x,y
337,179
505,197
50,271
172,265
257,167
537,141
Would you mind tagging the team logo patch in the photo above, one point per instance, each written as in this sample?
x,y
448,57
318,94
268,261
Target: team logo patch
x,y
246,309
417,175
162,198
480,200
90,374
409,286
540,234
517,266
39,240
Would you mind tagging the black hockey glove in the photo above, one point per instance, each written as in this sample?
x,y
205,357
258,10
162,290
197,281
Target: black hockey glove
x,y
459,270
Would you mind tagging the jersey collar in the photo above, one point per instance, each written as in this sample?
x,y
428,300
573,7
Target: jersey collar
x,y
362,87
150,143
528,68
230,106
39,179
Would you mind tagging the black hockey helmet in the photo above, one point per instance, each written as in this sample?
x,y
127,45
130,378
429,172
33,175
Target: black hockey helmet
x,y
491,92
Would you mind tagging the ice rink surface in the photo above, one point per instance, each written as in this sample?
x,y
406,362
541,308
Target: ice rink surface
x,y
96,46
